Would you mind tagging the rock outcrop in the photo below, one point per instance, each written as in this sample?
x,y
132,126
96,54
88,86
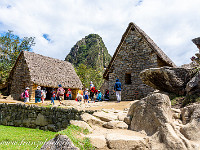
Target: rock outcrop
x,y
168,79
153,115
191,120
59,142
193,85
150,113
190,113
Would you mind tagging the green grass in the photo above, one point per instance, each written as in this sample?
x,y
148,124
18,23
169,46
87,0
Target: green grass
x,y
74,133
18,138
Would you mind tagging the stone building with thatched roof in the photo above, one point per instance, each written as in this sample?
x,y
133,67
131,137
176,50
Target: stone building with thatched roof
x,y
135,52
32,70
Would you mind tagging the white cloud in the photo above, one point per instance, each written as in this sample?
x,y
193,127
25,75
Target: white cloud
x,y
171,24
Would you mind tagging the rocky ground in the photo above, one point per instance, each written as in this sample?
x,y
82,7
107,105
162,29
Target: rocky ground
x,y
149,123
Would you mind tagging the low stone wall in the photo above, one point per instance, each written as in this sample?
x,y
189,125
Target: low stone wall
x,y
32,116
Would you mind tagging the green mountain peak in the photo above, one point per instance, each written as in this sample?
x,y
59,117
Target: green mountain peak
x,y
90,51
89,57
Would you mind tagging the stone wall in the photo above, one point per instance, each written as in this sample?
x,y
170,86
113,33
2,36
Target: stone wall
x,y
32,116
104,86
134,55
19,79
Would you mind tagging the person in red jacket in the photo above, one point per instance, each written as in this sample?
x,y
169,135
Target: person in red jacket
x,y
26,97
92,92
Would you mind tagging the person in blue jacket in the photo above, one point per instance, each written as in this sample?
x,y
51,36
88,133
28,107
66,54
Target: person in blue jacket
x,y
99,95
117,90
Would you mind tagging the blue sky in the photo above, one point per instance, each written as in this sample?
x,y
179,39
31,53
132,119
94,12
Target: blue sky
x,y
58,25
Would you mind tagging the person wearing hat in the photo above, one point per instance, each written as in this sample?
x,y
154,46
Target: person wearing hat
x,y
91,84
99,95
26,98
38,94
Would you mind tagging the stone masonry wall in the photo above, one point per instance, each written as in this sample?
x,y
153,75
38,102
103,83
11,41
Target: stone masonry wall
x,y
20,79
32,116
134,56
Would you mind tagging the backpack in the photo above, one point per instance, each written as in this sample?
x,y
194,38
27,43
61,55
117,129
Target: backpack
x,y
61,91
93,90
23,95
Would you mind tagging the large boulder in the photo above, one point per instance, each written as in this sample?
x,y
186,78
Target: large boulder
x,y
191,112
150,113
193,85
174,140
153,115
168,79
191,131
60,142
191,120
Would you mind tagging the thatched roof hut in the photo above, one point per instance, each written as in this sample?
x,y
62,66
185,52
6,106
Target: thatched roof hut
x,y
34,70
50,72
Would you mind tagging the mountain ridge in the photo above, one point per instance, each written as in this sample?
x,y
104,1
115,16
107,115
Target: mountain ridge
x,y
89,57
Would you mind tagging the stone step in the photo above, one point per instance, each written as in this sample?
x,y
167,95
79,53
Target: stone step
x,y
119,141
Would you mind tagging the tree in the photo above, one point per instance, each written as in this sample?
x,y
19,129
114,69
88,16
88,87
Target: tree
x,y
87,74
10,47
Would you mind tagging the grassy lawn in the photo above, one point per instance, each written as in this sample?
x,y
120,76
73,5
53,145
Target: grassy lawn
x,y
20,138
74,133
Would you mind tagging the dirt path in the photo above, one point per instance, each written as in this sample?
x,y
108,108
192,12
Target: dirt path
x,y
87,106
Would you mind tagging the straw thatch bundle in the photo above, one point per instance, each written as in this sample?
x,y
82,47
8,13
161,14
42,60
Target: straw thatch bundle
x,y
50,72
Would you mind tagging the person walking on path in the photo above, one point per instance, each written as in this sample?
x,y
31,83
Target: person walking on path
x,y
86,96
60,93
26,97
70,94
92,92
38,94
117,89
44,92
53,95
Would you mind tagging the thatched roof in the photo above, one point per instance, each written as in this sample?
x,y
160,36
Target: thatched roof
x,y
50,72
151,43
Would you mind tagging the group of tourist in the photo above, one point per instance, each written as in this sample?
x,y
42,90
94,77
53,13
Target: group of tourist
x,y
59,94
84,95
40,94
